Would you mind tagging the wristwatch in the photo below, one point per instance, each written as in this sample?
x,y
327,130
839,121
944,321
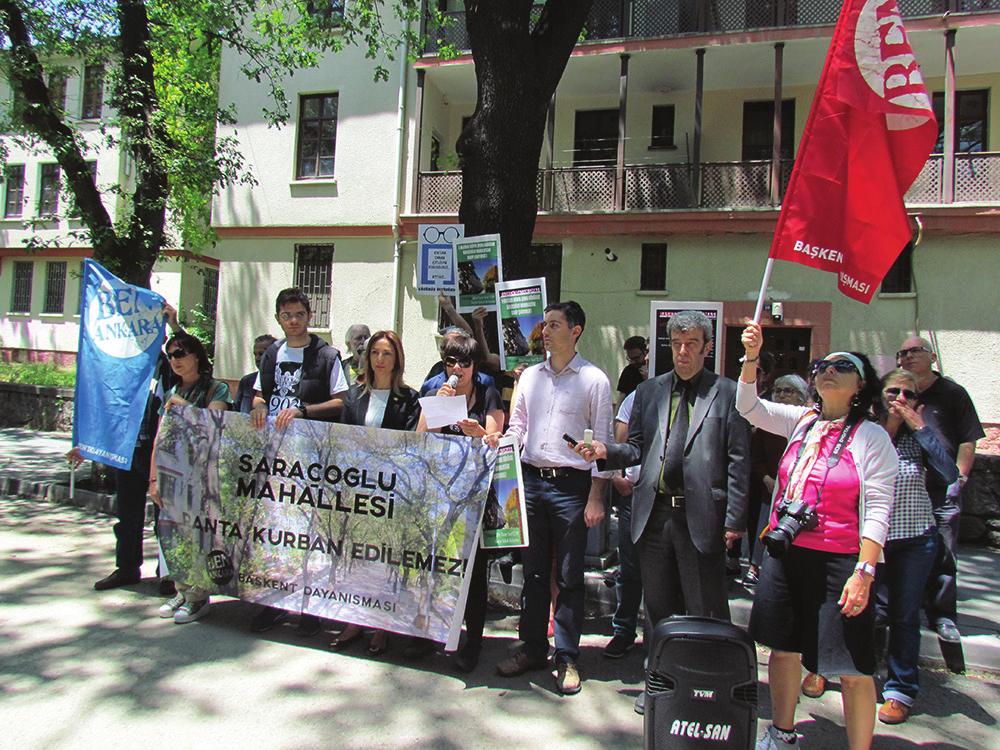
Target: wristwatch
x,y
744,359
302,408
865,568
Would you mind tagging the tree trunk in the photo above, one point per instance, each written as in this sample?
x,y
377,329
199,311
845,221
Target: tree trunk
x,y
517,71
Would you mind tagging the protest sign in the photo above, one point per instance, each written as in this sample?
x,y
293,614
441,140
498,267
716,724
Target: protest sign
x,y
436,258
121,332
520,313
358,524
478,268
508,492
661,358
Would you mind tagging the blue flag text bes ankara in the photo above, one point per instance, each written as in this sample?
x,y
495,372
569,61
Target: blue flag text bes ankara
x,y
121,332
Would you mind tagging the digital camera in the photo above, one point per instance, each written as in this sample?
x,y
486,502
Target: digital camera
x,y
794,517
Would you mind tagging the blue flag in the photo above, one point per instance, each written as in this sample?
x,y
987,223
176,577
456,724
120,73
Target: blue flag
x,y
121,332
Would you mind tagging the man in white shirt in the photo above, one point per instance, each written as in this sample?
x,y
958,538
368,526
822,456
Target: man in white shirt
x,y
564,395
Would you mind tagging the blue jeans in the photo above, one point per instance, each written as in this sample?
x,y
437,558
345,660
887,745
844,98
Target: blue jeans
x,y
628,582
555,529
904,575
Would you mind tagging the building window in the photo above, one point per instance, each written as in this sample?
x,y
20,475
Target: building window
x,y
48,192
317,136
663,127
74,210
326,12
57,91
14,194
210,291
55,287
758,130
899,279
20,300
971,126
313,274
595,137
653,274
93,92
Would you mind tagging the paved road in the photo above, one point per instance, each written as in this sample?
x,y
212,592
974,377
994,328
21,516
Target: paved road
x,y
78,669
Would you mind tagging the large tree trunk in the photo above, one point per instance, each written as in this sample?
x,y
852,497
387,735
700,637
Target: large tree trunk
x,y
517,71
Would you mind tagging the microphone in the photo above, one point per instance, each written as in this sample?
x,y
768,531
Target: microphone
x,y
453,382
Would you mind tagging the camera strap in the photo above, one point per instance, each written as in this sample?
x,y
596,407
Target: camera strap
x,y
835,455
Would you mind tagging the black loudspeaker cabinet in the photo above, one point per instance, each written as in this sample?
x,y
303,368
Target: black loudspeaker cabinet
x,y
701,686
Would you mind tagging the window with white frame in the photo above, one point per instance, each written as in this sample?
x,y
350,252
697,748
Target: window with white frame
x,y
317,142
55,287
314,276
20,298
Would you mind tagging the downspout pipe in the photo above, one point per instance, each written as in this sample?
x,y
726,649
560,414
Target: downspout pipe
x,y
397,208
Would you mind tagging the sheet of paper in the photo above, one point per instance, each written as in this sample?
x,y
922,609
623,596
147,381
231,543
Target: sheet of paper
x,y
443,410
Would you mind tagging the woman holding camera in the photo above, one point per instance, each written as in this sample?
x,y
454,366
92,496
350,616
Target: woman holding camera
x,y
829,519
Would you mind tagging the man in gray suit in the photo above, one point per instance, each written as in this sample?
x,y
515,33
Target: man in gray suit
x,y
691,498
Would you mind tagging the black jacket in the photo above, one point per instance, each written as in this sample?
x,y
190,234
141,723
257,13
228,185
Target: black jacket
x,y
401,412
318,360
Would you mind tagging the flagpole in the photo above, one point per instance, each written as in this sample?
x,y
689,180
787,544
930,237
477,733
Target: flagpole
x,y
763,290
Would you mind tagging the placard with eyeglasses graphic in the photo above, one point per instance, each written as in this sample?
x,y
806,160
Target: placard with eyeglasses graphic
x,y
478,268
436,258
661,357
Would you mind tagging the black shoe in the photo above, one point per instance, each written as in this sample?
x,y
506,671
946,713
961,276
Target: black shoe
x,y
640,703
946,630
267,618
618,646
418,648
466,659
750,579
167,588
309,625
116,579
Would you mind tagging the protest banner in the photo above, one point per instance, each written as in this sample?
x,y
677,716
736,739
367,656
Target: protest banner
x,y
478,268
870,129
370,526
436,258
510,514
661,358
121,332
520,313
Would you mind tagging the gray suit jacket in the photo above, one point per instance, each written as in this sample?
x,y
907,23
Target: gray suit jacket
x,y
716,457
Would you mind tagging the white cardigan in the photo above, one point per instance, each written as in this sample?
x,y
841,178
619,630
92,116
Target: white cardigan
x,y
875,456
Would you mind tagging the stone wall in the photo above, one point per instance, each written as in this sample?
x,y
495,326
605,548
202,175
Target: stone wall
x,y
981,502
36,407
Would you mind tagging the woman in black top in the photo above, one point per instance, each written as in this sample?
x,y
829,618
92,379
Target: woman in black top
x,y
382,400
461,357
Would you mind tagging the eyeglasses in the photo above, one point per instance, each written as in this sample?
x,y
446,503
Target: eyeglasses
x,y
178,353
288,317
895,393
912,350
842,366
456,362
783,391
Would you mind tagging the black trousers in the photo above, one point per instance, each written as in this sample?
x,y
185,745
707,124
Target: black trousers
x,y
475,604
130,507
677,579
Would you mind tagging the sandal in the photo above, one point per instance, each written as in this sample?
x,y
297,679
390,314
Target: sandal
x,y
814,685
348,635
379,643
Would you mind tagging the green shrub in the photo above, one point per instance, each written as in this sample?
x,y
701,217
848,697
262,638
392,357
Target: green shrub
x,y
37,373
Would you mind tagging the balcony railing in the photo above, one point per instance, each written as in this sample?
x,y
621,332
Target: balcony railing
x,y
721,185
643,19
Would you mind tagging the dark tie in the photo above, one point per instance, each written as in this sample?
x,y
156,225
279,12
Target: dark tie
x,y
673,461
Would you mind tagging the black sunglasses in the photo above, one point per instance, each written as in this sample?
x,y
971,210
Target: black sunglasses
x,y
453,361
843,366
178,353
895,392
912,350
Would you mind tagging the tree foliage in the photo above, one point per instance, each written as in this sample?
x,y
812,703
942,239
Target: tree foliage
x,y
162,59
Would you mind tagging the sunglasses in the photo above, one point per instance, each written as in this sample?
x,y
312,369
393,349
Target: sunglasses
x,y
178,353
456,362
896,392
842,366
912,350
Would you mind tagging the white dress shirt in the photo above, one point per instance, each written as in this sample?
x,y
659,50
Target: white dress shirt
x,y
550,404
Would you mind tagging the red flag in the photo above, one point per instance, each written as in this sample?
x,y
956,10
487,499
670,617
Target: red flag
x,y
868,135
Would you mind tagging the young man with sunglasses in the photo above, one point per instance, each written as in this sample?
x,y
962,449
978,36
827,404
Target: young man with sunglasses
x,y
300,377
947,408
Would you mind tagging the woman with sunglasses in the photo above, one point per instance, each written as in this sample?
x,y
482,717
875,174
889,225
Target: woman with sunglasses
x,y
194,386
911,546
812,606
461,357
382,400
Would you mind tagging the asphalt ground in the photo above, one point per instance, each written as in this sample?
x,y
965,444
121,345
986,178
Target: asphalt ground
x,y
80,668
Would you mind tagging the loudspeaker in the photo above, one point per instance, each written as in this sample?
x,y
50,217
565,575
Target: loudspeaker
x,y
701,686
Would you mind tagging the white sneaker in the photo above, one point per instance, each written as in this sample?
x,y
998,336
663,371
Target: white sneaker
x,y
770,742
191,611
171,606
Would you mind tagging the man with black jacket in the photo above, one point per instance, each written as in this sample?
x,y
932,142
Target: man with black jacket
x,y
300,376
